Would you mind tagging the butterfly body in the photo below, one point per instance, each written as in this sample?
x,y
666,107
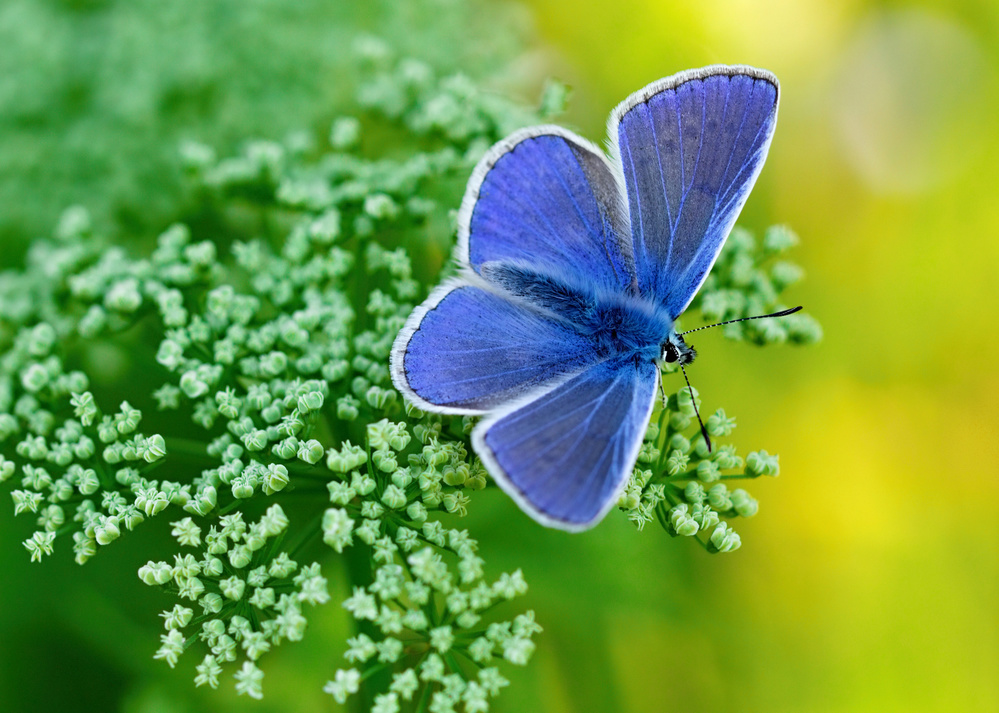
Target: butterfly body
x,y
575,267
618,322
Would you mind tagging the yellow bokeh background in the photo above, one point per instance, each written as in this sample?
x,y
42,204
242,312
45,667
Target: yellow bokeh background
x,y
870,579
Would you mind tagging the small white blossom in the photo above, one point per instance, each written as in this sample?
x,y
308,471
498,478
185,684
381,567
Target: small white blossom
x,y
344,683
249,680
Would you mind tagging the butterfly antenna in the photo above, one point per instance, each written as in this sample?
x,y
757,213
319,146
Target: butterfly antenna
x,y
693,401
782,313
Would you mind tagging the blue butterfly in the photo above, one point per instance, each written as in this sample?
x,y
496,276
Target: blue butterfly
x,y
575,268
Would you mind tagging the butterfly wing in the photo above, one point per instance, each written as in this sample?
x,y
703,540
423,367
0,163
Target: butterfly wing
x,y
542,197
566,454
470,348
548,198
690,148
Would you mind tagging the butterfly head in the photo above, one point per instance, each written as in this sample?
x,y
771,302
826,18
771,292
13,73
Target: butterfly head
x,y
675,350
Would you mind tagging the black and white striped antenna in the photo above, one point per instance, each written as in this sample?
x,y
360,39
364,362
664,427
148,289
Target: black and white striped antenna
x,y
704,431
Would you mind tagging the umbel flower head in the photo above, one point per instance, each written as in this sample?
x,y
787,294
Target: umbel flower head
x,y
235,388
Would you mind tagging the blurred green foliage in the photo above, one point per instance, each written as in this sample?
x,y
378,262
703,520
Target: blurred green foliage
x,y
96,95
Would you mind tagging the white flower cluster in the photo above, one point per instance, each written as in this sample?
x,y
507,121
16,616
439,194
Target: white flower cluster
x,y
250,596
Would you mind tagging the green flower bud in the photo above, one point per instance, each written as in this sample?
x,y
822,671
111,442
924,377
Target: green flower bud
x,y
380,206
417,512
648,453
426,432
123,296
310,451
212,603
311,401
255,440
481,650
155,448
803,329
456,502
778,239
707,471
8,426
35,377
273,364
378,398
93,322
212,567
7,469
228,404
347,408
344,134
84,408
240,556
685,399
455,476
762,463
694,492
107,530
340,492
346,459
155,573
681,523
337,529
275,478
743,504
242,487
679,421
402,478
286,448
362,483
718,424
345,683
232,588
518,650
201,255
335,370
724,539
394,497
442,638
192,385
718,498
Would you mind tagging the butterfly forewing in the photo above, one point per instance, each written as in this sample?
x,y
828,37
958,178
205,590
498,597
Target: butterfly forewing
x,y
690,149
548,198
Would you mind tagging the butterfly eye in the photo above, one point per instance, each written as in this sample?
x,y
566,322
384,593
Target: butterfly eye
x,y
670,354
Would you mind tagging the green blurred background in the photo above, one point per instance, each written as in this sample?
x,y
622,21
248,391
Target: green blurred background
x,y
870,579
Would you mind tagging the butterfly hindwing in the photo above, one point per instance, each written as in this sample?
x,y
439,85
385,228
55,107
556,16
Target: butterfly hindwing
x,y
469,349
690,148
547,197
566,454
